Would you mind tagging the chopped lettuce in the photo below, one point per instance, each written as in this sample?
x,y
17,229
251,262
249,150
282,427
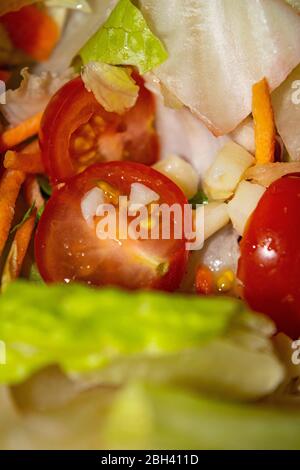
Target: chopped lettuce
x,y
112,86
125,39
147,417
83,330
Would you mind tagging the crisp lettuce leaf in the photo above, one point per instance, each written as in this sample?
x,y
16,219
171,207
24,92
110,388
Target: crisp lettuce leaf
x,y
82,329
125,39
112,86
147,417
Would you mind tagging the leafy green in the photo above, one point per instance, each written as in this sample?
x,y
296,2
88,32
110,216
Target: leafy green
x,y
125,39
147,417
25,217
199,198
44,185
112,86
34,274
82,329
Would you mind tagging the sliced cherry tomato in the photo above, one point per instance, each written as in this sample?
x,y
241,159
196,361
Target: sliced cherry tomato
x,y
77,132
269,267
69,249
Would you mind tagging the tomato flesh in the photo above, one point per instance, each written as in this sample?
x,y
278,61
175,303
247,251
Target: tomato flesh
x,y
269,267
67,249
77,132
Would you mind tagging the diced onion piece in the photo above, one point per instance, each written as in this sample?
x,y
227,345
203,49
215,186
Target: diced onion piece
x,y
244,135
141,194
243,204
181,173
90,202
270,172
228,169
214,216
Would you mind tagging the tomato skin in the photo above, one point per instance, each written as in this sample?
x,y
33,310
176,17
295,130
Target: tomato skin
x,y
269,267
66,249
73,106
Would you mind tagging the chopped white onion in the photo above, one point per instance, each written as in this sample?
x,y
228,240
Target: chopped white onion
x,y
244,135
213,216
243,204
89,204
219,49
270,172
181,133
181,173
141,194
227,170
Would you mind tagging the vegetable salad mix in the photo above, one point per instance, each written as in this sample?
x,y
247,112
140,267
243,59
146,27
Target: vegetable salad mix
x,y
149,221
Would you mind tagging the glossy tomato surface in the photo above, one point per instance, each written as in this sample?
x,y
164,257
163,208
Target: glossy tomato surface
x,y
269,267
77,132
68,249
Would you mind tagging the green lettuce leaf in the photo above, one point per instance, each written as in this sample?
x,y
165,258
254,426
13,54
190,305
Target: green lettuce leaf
x,y
125,39
112,86
147,417
82,330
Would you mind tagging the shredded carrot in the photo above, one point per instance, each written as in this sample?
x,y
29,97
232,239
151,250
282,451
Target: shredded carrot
x,y
16,135
5,75
27,162
33,193
32,30
264,124
204,281
10,185
18,250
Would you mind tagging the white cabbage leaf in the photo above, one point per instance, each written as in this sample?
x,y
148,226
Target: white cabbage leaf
x,y
219,49
33,95
286,104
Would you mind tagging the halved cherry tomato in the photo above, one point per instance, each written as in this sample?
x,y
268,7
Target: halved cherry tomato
x,y
269,267
77,132
68,249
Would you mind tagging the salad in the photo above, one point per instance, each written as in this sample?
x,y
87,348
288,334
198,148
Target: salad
x,y
149,224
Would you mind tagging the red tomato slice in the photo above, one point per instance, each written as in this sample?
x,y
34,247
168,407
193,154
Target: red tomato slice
x,y
77,132
269,266
67,247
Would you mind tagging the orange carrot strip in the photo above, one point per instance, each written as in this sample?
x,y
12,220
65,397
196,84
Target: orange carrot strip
x,y
16,135
204,281
27,162
264,124
32,30
10,185
18,250
33,193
